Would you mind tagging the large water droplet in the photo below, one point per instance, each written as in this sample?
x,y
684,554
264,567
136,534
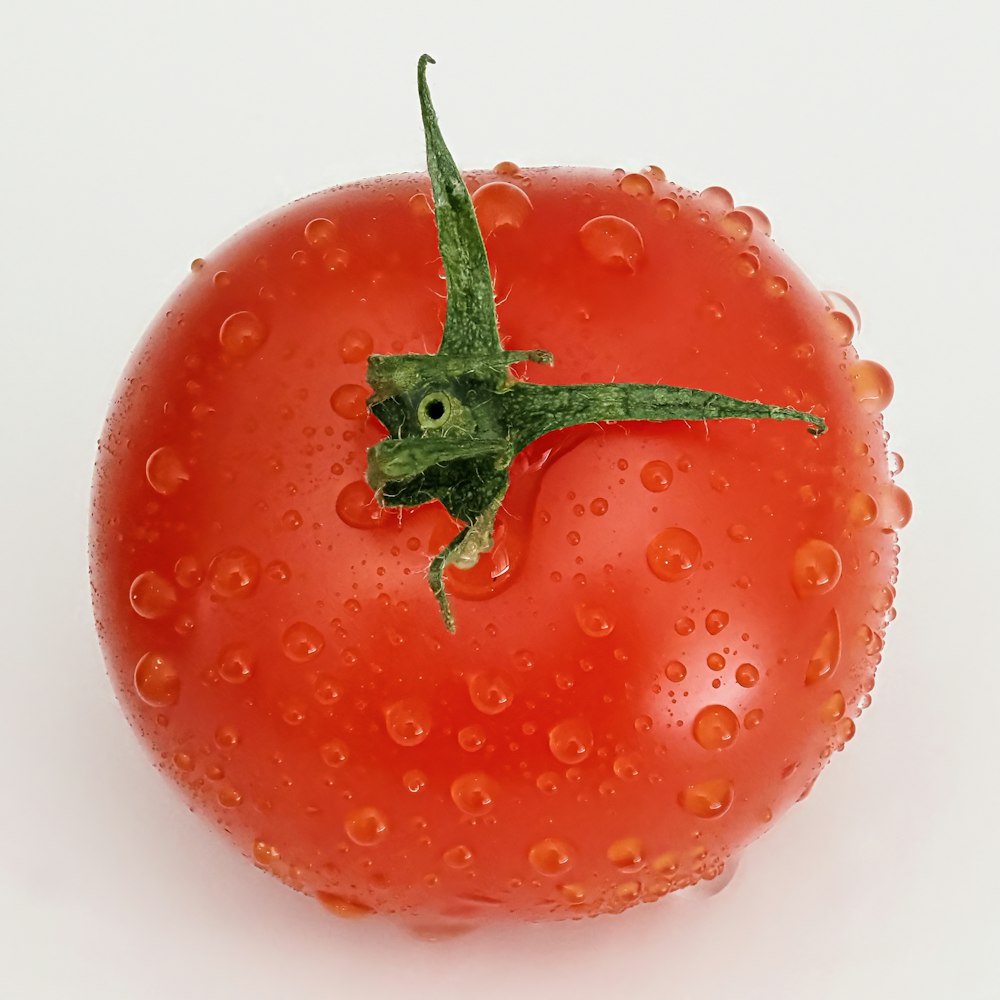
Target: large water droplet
x,y
872,385
636,185
334,753
408,723
475,793
319,232
500,205
458,857
491,691
674,554
367,826
571,741
716,727
156,680
895,508
236,663
233,573
350,402
152,596
551,857
302,642
656,476
816,568
627,854
242,334
357,506
165,471
824,661
594,620
612,241
708,799
355,346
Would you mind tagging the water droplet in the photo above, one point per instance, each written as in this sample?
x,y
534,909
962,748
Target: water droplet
x,y
229,797
674,554
627,854
341,906
414,780
684,626
636,185
408,723
472,738
824,661
747,675
152,596
716,727
226,736
242,334
713,310
594,620
668,209
862,509
872,385
675,671
761,223
833,708
816,568
627,766
598,506
841,303
334,753
233,573
350,402
612,241
458,856
643,724
747,264
236,664
573,893
716,661
656,476
895,508
188,572
551,857
500,205
571,741
491,691
165,471
895,463
841,328
777,286
475,794
420,205
156,680
355,346
708,799
357,506
337,259
302,642
753,718
739,533
367,826
319,232
716,199
716,621
737,225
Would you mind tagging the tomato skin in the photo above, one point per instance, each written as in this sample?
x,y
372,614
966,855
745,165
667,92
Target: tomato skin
x,y
676,627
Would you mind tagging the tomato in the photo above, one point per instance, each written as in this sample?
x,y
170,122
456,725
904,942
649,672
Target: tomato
x,y
670,627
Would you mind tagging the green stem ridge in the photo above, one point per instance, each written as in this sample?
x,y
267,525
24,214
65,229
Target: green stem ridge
x,y
457,418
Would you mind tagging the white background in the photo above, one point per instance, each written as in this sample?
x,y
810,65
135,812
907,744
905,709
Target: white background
x,y
136,136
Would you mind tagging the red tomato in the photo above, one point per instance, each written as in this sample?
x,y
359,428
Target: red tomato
x,y
675,627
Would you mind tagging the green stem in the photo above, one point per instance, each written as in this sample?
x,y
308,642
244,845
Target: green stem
x,y
457,419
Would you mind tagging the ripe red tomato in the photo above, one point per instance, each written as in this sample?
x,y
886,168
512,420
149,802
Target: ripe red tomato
x,y
677,622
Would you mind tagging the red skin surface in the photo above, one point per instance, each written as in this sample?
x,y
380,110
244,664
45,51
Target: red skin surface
x,y
575,645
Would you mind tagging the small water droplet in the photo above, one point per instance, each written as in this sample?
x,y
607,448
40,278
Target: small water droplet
x,y
458,857
571,741
165,471
656,476
341,906
716,661
747,675
319,232
472,738
612,241
895,508
739,533
824,661
242,334
737,225
716,621
667,209
841,303
408,723
265,854
475,793
708,799
627,854
753,718
684,626
673,555
716,727
777,286
816,568
862,509
414,780
152,596
833,708
302,642
627,766
501,205
594,620
226,736
337,259
841,328
367,826
675,671
157,681
761,223
551,857
235,664
355,346
872,385
334,753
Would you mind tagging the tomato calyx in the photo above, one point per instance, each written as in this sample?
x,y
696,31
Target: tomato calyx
x,y
457,419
